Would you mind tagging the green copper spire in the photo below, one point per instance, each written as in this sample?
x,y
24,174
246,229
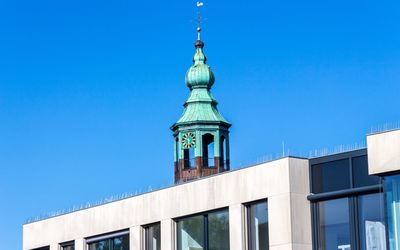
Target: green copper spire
x,y
200,106
200,74
201,135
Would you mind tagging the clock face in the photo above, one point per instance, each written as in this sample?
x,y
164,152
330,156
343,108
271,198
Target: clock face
x,y
188,140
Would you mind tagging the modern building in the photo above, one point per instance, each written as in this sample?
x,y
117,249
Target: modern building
x,y
343,201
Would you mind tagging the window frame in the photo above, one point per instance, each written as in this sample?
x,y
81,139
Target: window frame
x,y
66,244
353,193
107,236
205,224
42,248
144,233
247,220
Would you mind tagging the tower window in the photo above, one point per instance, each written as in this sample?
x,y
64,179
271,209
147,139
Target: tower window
x,y
208,150
189,158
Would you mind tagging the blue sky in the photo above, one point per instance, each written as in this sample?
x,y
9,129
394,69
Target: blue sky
x,y
89,89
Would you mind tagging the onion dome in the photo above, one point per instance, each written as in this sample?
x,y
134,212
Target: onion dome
x,y
199,74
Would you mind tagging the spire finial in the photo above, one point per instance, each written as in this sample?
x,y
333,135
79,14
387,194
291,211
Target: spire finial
x,y
199,18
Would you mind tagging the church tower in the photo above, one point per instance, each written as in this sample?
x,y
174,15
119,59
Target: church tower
x,y
201,135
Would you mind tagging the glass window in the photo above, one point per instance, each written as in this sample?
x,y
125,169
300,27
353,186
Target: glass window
x,y
392,194
68,246
121,243
191,233
218,230
360,172
153,237
371,222
116,243
42,248
331,176
334,225
100,245
207,231
257,216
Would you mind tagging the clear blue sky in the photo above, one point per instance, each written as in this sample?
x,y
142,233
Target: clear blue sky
x,y
89,89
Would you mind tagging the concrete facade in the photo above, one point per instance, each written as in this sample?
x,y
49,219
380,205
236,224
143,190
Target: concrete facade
x,y
384,152
284,183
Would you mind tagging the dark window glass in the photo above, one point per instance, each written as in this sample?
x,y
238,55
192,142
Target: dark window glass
x,y
42,248
334,225
360,172
371,222
218,230
121,243
331,176
68,247
191,233
258,226
116,243
153,237
194,234
100,245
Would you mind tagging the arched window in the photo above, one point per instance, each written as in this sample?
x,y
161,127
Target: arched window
x,y
208,150
188,158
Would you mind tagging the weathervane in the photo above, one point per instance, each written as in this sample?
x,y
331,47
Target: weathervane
x,y
199,18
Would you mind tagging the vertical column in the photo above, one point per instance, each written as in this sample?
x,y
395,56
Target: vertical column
x,y
80,244
227,161
236,227
135,238
54,246
217,138
167,234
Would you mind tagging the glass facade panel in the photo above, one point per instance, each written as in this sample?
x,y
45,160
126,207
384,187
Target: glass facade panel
x,y
258,226
218,231
191,233
334,225
371,222
153,237
331,176
360,172
392,194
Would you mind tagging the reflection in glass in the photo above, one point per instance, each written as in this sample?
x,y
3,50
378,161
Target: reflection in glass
x,y
258,226
121,243
330,176
218,230
68,247
361,178
100,245
153,237
334,226
392,193
190,233
117,243
207,231
372,227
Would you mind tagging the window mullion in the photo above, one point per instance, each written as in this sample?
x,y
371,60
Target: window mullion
x,y
354,228
205,232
